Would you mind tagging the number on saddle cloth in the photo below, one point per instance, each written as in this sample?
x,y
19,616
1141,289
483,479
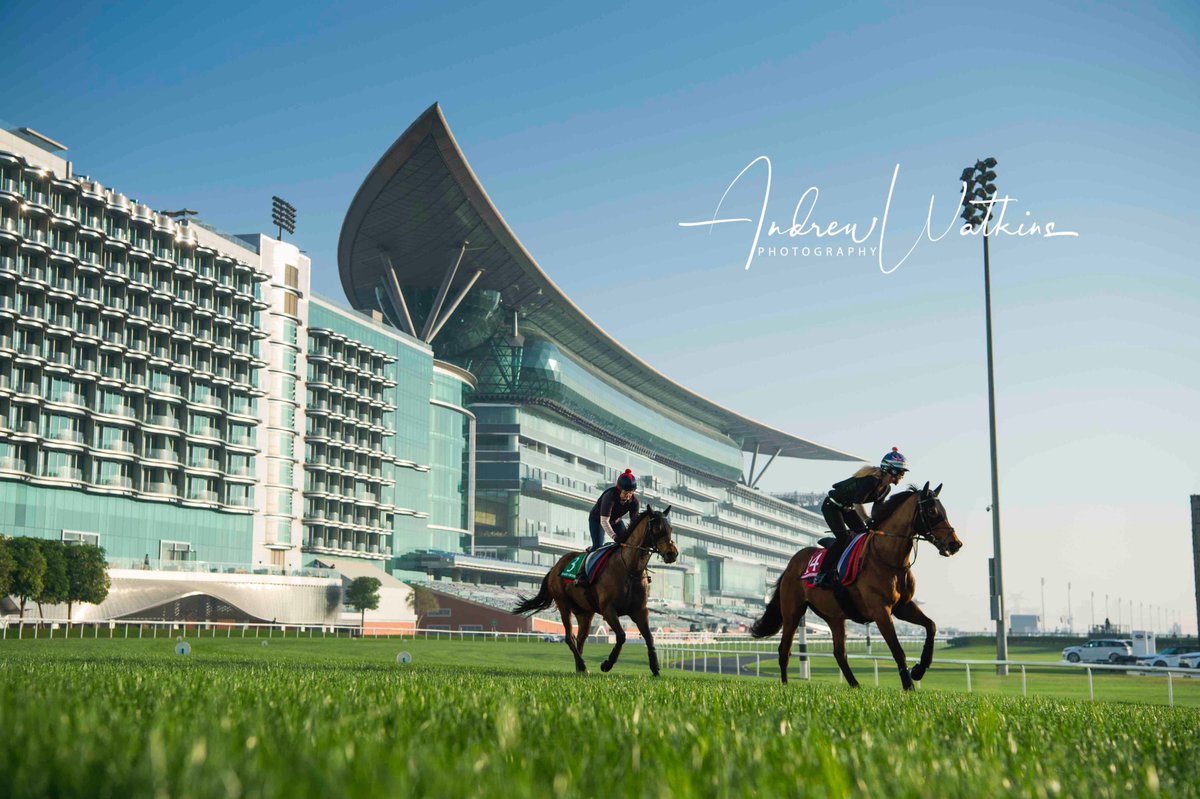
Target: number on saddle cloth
x,y
589,562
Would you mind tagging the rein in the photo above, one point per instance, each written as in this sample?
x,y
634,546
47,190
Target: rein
x,y
914,534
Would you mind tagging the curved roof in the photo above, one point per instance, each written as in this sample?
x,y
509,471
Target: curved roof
x,y
422,201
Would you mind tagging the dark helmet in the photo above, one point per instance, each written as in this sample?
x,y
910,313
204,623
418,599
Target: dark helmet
x,y
627,482
894,462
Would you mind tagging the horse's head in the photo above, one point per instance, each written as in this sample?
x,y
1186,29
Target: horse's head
x,y
658,534
930,522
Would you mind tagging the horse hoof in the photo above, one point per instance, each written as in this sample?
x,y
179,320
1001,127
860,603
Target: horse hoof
x,y
654,674
852,684
908,686
918,672
606,667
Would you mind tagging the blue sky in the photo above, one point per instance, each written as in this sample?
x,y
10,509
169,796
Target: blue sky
x,y
597,132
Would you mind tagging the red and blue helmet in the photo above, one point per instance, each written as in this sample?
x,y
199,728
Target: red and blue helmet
x,y
894,462
627,482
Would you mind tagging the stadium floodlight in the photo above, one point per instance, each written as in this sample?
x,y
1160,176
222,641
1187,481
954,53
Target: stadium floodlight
x,y
283,216
979,185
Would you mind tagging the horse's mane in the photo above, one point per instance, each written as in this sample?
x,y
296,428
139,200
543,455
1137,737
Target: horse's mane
x,y
643,514
890,505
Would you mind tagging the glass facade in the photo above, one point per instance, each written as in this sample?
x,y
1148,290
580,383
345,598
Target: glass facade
x,y
179,394
386,441
129,369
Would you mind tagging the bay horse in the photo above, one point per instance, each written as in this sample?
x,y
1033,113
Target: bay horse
x,y
620,590
884,587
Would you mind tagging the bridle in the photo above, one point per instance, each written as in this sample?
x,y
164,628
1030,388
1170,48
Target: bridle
x,y
651,535
925,531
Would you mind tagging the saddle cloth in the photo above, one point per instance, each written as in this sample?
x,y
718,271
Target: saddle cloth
x,y
592,563
848,565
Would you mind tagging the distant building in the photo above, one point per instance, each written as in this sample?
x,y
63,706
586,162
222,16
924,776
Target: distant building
x,y
1023,624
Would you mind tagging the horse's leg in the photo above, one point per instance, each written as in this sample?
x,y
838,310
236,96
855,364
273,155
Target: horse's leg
x,y
584,620
785,644
642,619
911,613
614,621
564,611
837,629
883,620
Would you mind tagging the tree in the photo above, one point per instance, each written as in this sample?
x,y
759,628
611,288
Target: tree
x,y
87,575
363,595
54,581
30,568
422,602
7,567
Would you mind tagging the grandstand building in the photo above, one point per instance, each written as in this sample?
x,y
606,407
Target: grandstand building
x,y
180,397
560,407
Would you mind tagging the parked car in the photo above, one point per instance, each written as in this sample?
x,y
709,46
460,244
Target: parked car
x,y
1171,657
1100,650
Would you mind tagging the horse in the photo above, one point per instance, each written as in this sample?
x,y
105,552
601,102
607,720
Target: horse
x,y
620,590
884,587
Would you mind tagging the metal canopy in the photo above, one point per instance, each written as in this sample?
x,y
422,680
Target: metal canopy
x,y
419,205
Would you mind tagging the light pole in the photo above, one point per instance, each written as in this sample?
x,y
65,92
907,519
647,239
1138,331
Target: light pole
x,y
1043,600
979,189
1070,613
1093,609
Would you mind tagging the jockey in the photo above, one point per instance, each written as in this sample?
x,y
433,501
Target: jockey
x,y
615,502
843,508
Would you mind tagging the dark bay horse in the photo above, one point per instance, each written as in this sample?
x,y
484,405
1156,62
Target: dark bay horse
x,y
620,590
884,587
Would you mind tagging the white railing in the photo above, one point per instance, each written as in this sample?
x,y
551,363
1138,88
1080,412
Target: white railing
x,y
685,651
697,658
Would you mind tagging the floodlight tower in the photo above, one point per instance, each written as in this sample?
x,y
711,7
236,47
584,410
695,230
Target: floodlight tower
x,y
283,216
980,191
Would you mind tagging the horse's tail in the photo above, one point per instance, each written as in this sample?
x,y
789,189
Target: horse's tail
x,y
542,601
772,620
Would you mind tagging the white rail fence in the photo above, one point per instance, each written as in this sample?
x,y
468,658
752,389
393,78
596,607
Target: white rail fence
x,y
697,659
696,652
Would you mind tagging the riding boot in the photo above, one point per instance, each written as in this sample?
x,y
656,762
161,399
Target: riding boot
x,y
828,576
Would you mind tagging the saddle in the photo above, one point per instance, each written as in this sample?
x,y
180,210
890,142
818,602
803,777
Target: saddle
x,y
590,563
848,565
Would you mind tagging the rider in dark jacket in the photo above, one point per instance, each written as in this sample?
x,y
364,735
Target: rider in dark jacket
x,y
613,504
843,508
605,518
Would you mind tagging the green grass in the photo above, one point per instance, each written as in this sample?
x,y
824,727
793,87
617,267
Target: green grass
x,y
324,718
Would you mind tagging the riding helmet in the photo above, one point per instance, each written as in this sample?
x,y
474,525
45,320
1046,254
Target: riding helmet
x,y
627,482
894,462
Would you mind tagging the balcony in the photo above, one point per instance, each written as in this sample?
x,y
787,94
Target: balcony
x,y
165,489
117,445
168,455
67,435
65,473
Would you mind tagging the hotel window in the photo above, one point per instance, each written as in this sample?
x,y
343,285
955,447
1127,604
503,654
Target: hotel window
x,y
78,537
291,305
291,276
176,550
